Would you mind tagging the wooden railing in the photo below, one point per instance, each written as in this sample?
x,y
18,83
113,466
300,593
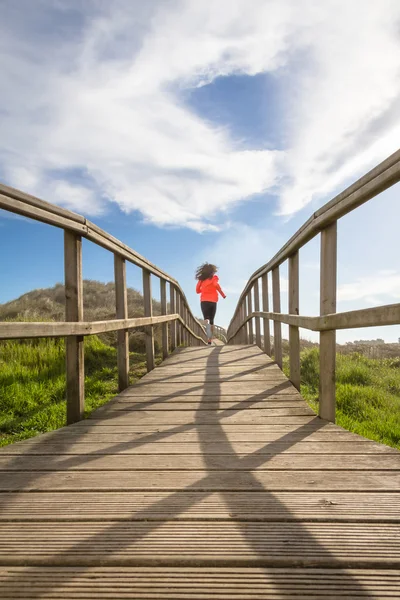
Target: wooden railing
x,y
184,328
220,333
324,222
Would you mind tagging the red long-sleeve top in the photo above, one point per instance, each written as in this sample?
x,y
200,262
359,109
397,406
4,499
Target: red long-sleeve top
x,y
209,288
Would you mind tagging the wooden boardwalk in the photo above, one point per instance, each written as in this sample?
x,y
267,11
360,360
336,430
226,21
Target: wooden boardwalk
x,y
210,478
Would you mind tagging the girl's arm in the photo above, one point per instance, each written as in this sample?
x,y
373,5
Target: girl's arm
x,y
220,291
198,287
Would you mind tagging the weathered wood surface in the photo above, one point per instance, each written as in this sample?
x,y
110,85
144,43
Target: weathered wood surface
x,y
209,478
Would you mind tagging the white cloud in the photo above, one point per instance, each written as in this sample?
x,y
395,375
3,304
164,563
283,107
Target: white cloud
x,y
93,110
375,289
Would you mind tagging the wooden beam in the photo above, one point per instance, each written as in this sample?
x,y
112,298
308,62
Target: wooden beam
x,y
148,312
245,321
327,348
294,337
173,310
38,213
178,310
121,299
276,301
249,312
75,375
10,331
164,311
257,308
265,299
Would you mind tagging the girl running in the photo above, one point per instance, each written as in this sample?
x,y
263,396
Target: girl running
x,y
208,287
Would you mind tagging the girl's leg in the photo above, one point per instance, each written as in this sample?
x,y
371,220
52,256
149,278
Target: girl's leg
x,y
213,311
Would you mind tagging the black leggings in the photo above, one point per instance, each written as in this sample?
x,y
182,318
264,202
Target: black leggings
x,y
209,309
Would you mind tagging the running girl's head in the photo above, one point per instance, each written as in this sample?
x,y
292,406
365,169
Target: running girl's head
x,y
206,271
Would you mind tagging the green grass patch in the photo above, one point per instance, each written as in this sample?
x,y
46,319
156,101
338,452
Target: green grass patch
x,y
33,385
367,393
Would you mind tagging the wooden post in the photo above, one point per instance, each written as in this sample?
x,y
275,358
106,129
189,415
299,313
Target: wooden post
x,y
148,312
75,374
265,298
249,311
276,299
242,316
164,311
121,301
246,326
172,308
186,317
294,337
256,309
327,343
179,326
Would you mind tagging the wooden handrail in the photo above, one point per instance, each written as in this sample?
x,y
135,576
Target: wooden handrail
x,y
385,175
324,222
184,327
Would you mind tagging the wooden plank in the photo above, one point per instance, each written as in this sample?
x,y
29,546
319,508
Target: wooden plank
x,y
121,299
208,462
293,416
165,434
75,386
327,340
215,543
224,583
294,337
201,480
234,388
187,505
164,311
265,299
192,403
276,299
194,444
148,312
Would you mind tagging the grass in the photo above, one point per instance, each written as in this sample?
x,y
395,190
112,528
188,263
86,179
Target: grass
x,y
32,383
367,393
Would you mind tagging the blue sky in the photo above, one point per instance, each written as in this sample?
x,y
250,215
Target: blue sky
x,y
202,131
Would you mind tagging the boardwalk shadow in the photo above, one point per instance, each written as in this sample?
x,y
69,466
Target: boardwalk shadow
x,y
120,543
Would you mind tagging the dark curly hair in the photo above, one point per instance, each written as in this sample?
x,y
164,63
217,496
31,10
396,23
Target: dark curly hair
x,y
206,271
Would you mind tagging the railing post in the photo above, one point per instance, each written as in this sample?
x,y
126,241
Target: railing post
x,y
265,299
327,344
186,319
256,309
249,311
164,311
172,308
75,374
242,316
121,302
178,324
276,299
246,326
148,312
294,337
